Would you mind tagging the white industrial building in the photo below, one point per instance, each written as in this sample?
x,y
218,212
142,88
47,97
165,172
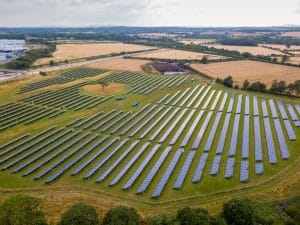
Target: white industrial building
x,y
11,48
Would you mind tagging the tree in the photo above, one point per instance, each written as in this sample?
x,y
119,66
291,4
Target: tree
x,y
204,60
297,87
257,86
103,84
52,63
274,86
80,214
228,81
246,85
217,221
22,210
160,219
190,216
121,215
281,86
238,212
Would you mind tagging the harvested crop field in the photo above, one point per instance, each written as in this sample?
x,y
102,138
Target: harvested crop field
x,y
250,70
291,34
294,60
197,41
254,50
111,89
78,51
121,64
179,55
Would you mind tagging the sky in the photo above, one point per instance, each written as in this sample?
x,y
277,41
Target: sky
x,y
195,13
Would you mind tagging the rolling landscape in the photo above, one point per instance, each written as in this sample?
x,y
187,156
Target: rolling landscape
x,y
149,124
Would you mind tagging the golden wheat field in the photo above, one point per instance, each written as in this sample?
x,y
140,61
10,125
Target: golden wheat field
x,y
294,60
120,64
250,70
78,51
179,55
282,47
254,50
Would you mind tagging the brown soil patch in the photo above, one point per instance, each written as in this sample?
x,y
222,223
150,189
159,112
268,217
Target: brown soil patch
x,y
77,51
250,70
178,55
111,89
121,64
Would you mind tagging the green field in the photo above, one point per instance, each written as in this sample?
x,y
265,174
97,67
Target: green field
x,y
210,191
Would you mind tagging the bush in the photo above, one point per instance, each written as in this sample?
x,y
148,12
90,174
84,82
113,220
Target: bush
x,y
238,212
121,215
160,219
22,210
80,214
190,216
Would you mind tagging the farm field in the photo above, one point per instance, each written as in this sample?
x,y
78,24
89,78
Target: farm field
x,y
197,41
178,54
185,143
282,47
294,60
78,51
291,34
254,50
121,64
250,70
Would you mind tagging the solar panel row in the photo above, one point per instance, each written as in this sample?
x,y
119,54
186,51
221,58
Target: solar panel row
x,y
245,145
223,135
202,131
222,105
229,168
200,167
244,172
212,133
215,165
214,104
234,135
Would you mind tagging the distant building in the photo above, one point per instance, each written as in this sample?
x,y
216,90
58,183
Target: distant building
x,y
10,49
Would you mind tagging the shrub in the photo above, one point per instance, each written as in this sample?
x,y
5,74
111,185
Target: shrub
x,y
121,215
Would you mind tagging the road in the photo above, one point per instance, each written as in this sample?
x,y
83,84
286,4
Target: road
x,y
69,65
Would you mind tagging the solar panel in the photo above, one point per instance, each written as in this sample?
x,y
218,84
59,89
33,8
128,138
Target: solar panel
x,y
106,158
173,125
297,107
270,142
229,168
213,106
273,109
257,140
244,172
212,133
152,125
202,97
153,171
182,127
208,100
292,112
143,124
180,97
118,177
282,110
259,168
247,105
202,130
200,168
188,96
223,135
192,129
245,146
164,179
264,108
239,104
140,169
255,106
172,97
184,170
289,130
234,135
163,98
215,165
195,97
118,161
231,101
165,123
222,105
281,140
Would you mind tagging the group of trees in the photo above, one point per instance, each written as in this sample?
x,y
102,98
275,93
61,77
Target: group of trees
x,y
24,62
277,87
26,210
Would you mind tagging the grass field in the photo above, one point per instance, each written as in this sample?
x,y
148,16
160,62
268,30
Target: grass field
x,y
250,70
121,64
278,181
77,51
254,50
178,54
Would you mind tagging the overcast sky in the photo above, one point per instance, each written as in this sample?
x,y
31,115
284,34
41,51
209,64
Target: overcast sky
x,y
149,12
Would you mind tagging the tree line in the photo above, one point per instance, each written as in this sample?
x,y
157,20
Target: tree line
x,y
27,210
277,87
